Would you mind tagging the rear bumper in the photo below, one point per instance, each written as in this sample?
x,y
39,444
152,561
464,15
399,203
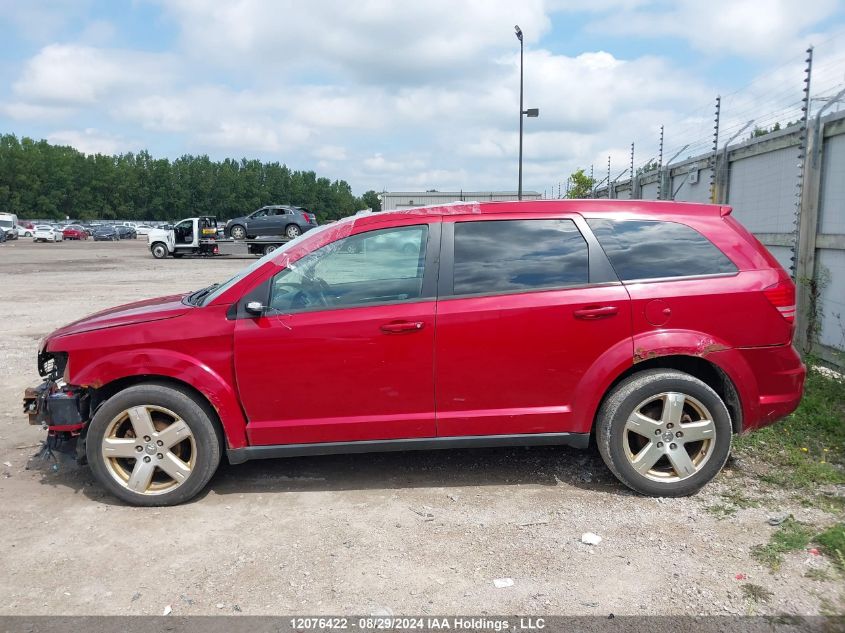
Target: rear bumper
x,y
780,376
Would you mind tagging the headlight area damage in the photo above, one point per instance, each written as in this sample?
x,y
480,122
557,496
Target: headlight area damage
x,y
61,409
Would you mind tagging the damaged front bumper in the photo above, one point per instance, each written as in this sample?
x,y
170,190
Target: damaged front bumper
x,y
63,411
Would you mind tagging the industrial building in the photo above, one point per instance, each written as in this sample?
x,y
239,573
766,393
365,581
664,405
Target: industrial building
x,y
408,199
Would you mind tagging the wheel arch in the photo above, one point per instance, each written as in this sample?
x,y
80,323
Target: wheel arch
x,y
160,243
117,371
101,394
706,371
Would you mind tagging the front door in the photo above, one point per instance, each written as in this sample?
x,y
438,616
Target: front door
x,y
344,350
258,222
521,317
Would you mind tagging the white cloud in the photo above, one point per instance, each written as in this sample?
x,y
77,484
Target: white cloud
x,y
404,95
755,28
93,141
84,75
370,40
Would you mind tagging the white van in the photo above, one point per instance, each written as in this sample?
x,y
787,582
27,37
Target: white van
x,y
9,224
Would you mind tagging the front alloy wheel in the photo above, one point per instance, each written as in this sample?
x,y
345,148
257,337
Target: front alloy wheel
x,y
238,232
149,449
153,445
664,433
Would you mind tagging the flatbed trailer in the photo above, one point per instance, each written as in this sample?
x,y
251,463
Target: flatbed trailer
x,y
264,245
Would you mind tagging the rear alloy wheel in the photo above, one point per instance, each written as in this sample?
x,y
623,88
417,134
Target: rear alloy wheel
x,y
159,250
238,232
293,231
664,433
153,445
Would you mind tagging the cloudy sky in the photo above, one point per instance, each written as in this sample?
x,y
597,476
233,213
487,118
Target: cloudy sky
x,y
409,95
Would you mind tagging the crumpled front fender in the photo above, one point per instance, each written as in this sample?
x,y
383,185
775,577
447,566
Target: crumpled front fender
x,y
169,364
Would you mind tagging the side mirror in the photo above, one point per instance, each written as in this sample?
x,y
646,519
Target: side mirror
x,y
255,308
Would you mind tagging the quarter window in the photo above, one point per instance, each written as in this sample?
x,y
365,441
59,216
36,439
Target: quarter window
x,y
493,256
650,249
376,267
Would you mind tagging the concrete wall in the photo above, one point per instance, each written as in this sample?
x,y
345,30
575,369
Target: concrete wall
x,y
830,262
759,178
762,190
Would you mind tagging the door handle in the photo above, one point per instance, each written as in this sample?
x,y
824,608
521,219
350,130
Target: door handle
x,y
599,312
402,326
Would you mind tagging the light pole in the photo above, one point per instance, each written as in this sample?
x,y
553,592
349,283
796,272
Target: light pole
x,y
531,112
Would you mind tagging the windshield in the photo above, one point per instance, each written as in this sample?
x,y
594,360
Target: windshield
x,y
260,262
5,223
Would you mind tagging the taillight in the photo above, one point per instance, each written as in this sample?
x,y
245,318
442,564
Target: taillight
x,y
782,296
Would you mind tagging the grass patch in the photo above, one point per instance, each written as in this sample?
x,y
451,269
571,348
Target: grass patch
x,y
817,574
832,541
722,510
756,593
808,448
791,537
733,501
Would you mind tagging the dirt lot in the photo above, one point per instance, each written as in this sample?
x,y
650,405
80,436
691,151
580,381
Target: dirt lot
x,y
414,533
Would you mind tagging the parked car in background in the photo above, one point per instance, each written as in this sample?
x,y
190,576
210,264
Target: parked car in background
x,y
8,224
657,330
47,233
143,229
74,232
126,232
24,231
272,220
105,233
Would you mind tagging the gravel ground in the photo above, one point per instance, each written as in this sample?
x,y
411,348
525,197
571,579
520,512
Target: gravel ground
x,y
412,533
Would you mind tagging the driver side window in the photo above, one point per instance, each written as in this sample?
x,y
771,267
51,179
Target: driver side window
x,y
376,267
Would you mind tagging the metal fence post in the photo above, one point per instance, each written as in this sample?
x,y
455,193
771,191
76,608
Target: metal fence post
x,y
808,222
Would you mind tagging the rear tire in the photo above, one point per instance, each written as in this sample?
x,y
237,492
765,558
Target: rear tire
x,y
293,231
664,433
159,250
153,445
269,248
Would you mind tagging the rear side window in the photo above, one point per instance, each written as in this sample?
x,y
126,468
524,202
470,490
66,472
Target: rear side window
x,y
494,256
650,249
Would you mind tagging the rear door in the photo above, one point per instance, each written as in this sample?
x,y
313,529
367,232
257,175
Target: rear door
x,y
277,220
525,307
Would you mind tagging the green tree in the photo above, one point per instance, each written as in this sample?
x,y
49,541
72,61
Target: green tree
x,y
39,180
371,200
580,185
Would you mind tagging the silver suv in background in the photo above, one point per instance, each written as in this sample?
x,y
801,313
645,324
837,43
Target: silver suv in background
x,y
274,219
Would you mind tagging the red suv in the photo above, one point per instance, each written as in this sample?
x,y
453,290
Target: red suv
x,y
660,329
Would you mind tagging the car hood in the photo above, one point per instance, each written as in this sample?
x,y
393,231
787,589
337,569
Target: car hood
x,y
129,314
240,219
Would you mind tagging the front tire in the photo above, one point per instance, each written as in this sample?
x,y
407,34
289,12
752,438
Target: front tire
x,y
159,250
664,433
237,232
153,445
